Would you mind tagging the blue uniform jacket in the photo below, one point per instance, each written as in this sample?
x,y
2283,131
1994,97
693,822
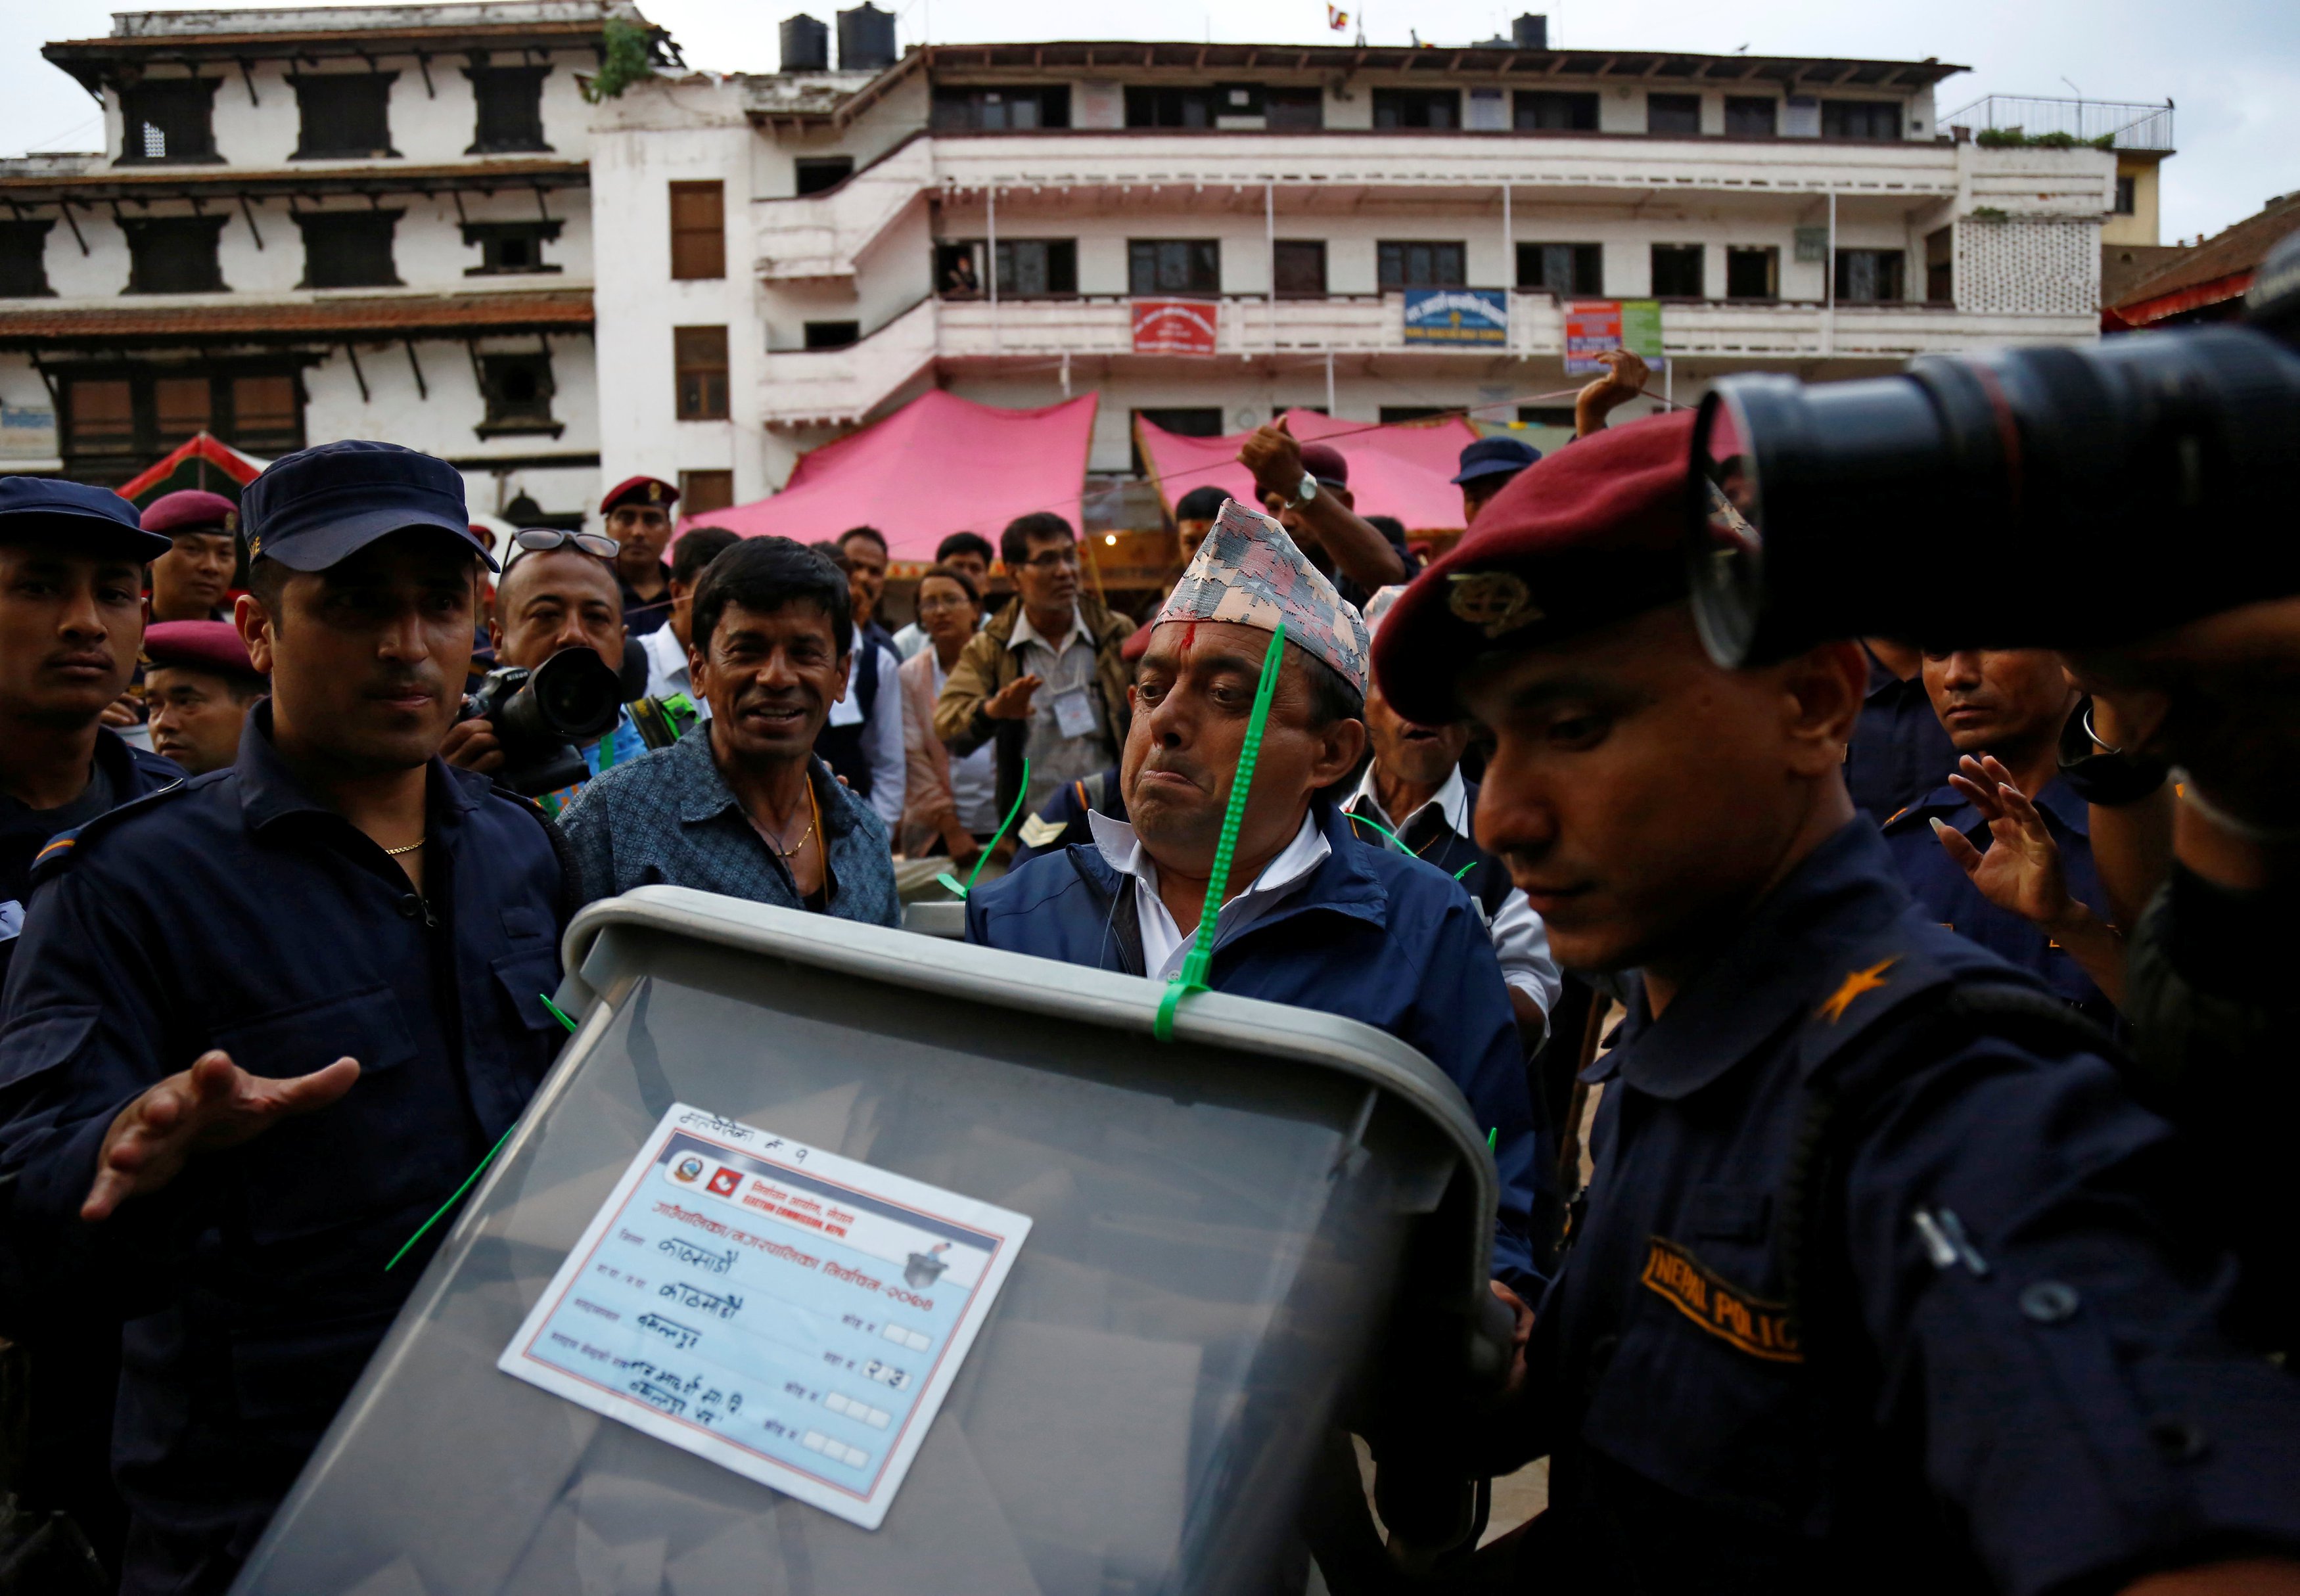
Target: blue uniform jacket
x,y
235,912
24,832
1946,894
1373,937
2046,1407
1900,750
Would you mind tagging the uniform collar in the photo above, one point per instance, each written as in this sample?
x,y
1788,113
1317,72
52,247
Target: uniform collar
x,y
1882,681
269,791
2063,809
703,793
1761,983
1452,803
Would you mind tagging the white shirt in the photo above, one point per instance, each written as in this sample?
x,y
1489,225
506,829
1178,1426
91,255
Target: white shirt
x,y
1521,940
882,734
1163,945
666,673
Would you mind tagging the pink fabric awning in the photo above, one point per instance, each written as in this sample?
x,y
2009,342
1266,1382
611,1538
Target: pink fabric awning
x,y
940,464
1404,470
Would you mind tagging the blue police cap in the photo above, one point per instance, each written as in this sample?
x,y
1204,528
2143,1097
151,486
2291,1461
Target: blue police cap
x,y
1496,457
75,519
320,506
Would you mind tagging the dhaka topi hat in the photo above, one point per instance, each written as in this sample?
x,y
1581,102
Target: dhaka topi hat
x,y
1250,573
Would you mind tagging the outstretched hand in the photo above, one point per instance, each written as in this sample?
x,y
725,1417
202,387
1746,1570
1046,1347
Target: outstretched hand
x,y
214,1104
2021,872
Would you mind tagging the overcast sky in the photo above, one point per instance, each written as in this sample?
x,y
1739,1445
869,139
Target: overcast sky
x,y
2231,66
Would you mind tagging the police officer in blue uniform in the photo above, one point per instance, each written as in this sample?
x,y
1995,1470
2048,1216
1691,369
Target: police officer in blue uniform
x,y
71,618
1898,752
1884,1284
262,1025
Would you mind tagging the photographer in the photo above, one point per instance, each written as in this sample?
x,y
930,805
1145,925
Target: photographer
x,y
263,1025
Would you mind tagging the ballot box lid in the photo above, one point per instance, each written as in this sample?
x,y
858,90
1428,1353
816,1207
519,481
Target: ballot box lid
x,y
1225,1231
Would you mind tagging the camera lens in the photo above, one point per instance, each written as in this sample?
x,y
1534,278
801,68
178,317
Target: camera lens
x,y
579,695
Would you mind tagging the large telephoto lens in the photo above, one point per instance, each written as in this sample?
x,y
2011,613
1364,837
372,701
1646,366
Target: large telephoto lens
x,y
573,696
2046,497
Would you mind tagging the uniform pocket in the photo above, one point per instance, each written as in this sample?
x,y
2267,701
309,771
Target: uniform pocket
x,y
527,977
365,1024
45,1039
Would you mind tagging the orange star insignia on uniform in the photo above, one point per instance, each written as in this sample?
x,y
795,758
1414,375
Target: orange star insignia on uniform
x,y
1855,984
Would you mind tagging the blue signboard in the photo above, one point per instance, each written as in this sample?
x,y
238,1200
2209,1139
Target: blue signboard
x,y
1456,316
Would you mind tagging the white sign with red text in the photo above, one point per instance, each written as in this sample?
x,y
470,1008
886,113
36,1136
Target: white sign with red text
x,y
785,1312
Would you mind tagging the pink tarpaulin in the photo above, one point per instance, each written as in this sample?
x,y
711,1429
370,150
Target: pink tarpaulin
x,y
1405,470
940,464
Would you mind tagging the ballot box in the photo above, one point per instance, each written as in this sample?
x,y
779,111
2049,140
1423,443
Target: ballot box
x,y
835,1259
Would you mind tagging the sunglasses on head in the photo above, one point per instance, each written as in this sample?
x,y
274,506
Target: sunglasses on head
x,y
536,540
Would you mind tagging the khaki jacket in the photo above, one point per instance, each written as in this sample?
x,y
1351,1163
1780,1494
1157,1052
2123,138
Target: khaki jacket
x,y
988,664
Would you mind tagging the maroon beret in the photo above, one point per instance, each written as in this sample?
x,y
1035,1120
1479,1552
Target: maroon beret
x,y
640,490
1592,534
1326,463
200,645
191,510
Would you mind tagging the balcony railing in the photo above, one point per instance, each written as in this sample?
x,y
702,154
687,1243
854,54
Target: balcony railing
x,y
2124,126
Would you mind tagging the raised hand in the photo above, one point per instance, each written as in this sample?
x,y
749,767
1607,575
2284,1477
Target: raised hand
x,y
215,1103
2021,872
1013,700
1274,456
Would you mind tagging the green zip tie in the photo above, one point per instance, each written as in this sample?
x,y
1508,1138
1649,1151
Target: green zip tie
x,y
1201,955
1465,870
1493,1138
557,1013
1358,819
996,837
458,1197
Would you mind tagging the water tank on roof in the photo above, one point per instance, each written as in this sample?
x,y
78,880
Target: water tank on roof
x,y
806,45
1531,32
866,38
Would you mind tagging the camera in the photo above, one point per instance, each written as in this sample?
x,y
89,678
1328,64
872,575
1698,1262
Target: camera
x,y
2052,497
540,715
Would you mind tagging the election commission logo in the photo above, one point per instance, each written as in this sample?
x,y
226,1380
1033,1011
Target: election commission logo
x,y
687,1170
723,1184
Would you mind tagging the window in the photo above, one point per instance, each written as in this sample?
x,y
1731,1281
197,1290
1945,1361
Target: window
x,y
508,248
1546,415
1860,118
1563,268
700,355
115,422
511,108
1173,266
1549,110
2128,195
173,255
1677,271
1001,109
1036,268
169,118
24,260
349,249
1152,107
1415,263
1676,115
1753,273
1393,415
1432,108
699,230
1941,266
702,491
816,173
1191,421
1300,265
1751,116
518,389
343,114
1294,110
833,335
1868,276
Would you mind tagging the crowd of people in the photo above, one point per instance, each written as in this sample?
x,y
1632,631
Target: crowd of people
x,y
1884,1268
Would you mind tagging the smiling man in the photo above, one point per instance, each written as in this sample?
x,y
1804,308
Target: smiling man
x,y
742,805
1314,917
264,1023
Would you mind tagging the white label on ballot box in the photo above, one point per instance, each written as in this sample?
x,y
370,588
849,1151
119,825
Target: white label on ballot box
x,y
780,1310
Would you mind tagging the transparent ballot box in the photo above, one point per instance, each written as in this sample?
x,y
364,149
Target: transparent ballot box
x,y
1228,1237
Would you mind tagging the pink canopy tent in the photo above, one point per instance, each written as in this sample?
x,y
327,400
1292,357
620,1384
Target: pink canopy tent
x,y
1404,470
940,464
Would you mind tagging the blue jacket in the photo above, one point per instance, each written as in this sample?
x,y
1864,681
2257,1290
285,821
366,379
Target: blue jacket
x,y
1946,894
24,832
1900,750
1374,936
234,911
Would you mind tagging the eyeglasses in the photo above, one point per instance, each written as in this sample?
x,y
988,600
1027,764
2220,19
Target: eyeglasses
x,y
536,540
960,603
1053,560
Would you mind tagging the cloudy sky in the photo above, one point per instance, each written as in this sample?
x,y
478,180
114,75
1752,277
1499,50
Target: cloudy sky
x,y
2232,67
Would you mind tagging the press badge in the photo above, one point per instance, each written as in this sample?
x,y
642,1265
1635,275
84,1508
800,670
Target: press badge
x,y
782,1311
1073,713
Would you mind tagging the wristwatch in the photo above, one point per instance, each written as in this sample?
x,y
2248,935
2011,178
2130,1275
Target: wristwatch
x,y
1307,491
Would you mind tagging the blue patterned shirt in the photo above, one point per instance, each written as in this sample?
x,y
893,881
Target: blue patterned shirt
x,y
670,819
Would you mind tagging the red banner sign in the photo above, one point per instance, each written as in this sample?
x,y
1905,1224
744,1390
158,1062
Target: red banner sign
x,y
1174,325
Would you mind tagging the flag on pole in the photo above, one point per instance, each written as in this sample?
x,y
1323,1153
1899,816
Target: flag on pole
x,y
1336,19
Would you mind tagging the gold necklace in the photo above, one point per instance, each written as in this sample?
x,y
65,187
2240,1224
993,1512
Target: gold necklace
x,y
815,809
409,848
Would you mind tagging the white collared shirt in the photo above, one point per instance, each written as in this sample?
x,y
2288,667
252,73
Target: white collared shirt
x,y
1521,940
1165,944
667,672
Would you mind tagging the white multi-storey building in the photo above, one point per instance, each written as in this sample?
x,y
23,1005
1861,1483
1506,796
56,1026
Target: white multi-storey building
x,y
316,224
799,252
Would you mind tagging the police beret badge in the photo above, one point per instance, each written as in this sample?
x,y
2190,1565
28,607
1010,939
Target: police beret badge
x,y
1494,601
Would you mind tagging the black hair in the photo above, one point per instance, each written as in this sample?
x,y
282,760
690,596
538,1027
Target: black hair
x,y
764,574
695,550
1014,543
267,579
872,533
1331,699
828,547
951,573
965,543
1200,504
